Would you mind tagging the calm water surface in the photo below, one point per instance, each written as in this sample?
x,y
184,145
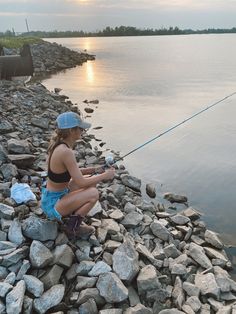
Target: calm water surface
x,y
146,85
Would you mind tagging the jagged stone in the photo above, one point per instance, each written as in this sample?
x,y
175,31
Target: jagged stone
x,y
33,285
99,268
138,309
207,285
89,307
15,233
50,298
125,261
213,239
15,298
40,255
147,279
197,253
63,256
39,229
160,231
112,288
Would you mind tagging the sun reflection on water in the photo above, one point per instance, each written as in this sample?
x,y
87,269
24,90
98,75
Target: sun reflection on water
x,y
90,73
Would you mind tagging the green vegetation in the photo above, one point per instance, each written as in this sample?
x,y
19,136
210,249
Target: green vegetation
x,y
17,42
117,31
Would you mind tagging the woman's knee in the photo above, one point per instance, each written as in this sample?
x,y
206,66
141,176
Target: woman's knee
x,y
94,194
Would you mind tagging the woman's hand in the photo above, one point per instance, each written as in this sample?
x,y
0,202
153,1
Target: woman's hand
x,y
98,170
109,173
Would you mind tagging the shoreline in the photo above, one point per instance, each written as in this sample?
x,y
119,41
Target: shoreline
x,y
154,260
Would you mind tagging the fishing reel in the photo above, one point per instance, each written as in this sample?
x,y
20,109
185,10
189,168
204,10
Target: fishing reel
x,y
109,161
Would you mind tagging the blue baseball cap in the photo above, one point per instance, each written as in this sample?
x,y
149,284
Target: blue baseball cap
x,y
71,119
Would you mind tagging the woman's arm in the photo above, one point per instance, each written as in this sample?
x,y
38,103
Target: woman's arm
x,y
71,165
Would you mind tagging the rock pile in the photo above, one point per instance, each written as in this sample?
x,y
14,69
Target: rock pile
x,y
51,57
139,261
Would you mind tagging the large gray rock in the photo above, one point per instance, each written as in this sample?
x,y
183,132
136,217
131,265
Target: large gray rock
x,y
111,288
90,293
18,146
33,285
99,268
89,307
9,171
131,182
40,255
160,231
111,226
125,261
147,279
132,219
5,126
39,229
63,256
50,298
6,211
4,289
151,190
14,257
207,285
213,239
197,253
138,309
179,219
178,293
15,298
3,154
15,233
52,277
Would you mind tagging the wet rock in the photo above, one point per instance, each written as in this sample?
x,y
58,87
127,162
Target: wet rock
x,y
131,182
173,198
151,190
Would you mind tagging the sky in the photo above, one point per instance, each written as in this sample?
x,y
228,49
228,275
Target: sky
x,y
93,15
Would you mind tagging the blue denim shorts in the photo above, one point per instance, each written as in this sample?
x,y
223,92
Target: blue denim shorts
x,y
49,200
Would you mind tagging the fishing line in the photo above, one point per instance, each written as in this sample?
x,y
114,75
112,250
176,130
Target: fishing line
x,y
109,159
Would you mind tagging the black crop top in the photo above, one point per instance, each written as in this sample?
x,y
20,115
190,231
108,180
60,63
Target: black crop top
x,y
58,177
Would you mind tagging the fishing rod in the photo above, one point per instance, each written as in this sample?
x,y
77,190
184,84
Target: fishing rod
x,y
109,160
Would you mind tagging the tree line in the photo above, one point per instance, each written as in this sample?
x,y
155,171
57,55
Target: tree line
x,y
119,31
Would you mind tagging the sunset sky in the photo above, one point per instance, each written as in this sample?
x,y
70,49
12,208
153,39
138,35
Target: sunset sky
x,y
92,15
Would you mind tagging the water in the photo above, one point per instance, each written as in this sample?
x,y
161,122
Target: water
x,y
146,85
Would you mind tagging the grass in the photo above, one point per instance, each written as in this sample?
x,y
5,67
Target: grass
x,y
17,42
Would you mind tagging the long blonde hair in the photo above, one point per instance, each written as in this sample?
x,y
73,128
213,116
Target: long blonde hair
x,y
57,138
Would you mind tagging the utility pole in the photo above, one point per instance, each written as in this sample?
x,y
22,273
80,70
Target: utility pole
x,y
27,26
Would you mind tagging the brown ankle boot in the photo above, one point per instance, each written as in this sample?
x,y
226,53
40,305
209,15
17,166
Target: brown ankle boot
x,y
74,229
85,230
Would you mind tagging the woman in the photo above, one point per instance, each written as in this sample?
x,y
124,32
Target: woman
x,y
68,192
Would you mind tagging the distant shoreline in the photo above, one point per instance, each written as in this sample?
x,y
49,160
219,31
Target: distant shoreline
x,y
119,32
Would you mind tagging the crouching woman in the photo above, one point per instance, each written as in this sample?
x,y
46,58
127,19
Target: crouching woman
x,y
68,191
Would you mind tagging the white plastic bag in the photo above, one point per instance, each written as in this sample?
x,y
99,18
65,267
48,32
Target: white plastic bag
x,y
21,193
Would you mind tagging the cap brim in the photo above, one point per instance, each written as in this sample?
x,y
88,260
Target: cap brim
x,y
85,125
